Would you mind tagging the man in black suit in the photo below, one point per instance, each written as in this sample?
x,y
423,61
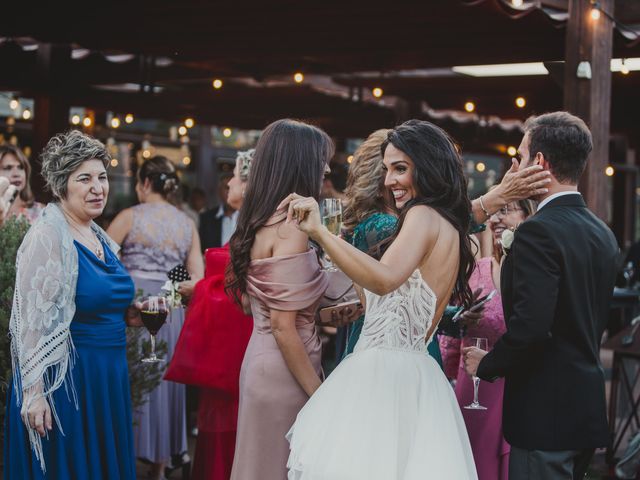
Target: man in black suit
x,y
218,224
557,281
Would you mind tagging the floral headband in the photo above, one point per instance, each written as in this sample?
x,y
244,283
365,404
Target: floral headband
x,y
244,162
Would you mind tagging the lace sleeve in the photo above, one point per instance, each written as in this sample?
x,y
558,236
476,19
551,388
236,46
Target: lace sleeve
x,y
43,306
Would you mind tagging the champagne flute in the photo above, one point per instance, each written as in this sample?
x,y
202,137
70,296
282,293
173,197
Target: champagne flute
x,y
331,212
153,313
482,344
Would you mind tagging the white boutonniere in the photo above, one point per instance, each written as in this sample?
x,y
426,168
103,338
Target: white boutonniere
x,y
506,240
174,299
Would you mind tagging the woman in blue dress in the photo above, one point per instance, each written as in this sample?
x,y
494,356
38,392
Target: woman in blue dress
x,y
69,409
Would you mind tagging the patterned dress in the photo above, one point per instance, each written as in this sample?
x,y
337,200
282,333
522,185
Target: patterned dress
x,y
160,239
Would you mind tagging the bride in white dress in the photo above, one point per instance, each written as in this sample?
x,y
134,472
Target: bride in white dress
x,y
387,411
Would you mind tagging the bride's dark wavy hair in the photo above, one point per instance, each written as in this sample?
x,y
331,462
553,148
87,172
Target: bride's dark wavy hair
x,y
440,184
290,157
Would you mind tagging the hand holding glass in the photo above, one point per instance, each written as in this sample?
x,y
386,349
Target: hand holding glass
x,y
153,312
331,213
482,344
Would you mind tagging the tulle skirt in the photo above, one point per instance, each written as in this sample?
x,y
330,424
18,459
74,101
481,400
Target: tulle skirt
x,y
383,414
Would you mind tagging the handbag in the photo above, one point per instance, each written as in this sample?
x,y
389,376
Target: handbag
x,y
340,303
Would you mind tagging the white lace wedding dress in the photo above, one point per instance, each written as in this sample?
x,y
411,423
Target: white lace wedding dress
x,y
387,411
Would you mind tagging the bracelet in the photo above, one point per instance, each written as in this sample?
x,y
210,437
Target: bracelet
x,y
487,214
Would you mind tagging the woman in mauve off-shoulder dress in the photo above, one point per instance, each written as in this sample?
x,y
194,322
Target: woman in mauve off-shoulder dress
x,y
273,270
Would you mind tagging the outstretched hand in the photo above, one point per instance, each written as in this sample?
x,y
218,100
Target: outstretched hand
x,y
304,212
518,184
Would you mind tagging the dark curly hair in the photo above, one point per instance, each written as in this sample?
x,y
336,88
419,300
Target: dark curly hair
x,y
161,174
440,184
290,157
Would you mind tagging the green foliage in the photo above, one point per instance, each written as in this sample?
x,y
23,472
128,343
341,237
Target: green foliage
x,y
143,377
11,234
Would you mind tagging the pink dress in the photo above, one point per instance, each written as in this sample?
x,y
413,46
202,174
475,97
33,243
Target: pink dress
x,y
490,449
270,396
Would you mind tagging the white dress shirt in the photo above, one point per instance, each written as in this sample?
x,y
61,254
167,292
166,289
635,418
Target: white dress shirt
x,y
228,224
554,196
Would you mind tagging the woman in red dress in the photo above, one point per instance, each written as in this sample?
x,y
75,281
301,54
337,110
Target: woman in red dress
x,y
218,403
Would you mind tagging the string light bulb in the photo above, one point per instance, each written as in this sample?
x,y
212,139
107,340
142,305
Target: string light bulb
x,y
182,130
469,106
189,122
186,161
377,92
115,122
511,151
350,159
146,153
14,104
75,120
521,102
128,118
624,69
609,171
114,162
217,84
87,122
481,167
226,132
595,11
298,77
26,114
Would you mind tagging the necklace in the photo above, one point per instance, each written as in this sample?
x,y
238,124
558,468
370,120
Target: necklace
x,y
93,241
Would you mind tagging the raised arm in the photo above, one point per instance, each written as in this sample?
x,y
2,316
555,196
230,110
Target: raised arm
x,y
515,185
414,241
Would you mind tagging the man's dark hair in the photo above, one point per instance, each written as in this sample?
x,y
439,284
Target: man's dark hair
x,y
564,140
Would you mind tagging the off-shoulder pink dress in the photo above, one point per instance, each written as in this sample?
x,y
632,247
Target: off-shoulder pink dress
x,y
270,396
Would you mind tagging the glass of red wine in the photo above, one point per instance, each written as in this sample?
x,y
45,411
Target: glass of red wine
x,y
153,313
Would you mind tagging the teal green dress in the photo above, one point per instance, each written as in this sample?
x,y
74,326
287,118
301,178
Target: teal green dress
x,y
366,236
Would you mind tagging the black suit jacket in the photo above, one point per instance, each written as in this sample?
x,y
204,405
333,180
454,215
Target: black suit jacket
x,y
557,283
210,229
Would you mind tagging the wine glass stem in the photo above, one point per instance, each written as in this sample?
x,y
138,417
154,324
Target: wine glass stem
x,y
476,385
153,346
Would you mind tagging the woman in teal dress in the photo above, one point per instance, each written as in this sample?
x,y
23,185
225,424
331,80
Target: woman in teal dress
x,y
69,406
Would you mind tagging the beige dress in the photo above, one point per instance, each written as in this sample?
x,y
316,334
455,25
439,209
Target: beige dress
x,y
270,396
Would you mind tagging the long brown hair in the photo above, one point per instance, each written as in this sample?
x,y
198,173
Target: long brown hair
x,y
440,184
26,195
366,193
290,157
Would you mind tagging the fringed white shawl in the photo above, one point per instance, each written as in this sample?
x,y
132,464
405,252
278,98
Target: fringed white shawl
x,y
42,351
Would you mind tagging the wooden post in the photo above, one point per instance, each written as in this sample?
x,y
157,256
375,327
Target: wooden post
x,y
590,40
51,110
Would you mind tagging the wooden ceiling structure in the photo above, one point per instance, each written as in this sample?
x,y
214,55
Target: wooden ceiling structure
x,y
177,48
157,59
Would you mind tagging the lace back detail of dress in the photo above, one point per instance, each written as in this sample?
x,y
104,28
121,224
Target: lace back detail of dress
x,y
400,319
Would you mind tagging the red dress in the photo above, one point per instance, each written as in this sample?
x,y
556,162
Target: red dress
x,y
218,407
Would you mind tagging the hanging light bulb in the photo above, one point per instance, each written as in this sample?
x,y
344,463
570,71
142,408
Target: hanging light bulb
x,y
469,106
226,132
189,122
115,122
128,118
186,160
87,122
480,167
624,69
217,84
182,130
298,77
609,171
520,102
75,120
511,151
26,114
114,162
14,104
377,92
595,11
